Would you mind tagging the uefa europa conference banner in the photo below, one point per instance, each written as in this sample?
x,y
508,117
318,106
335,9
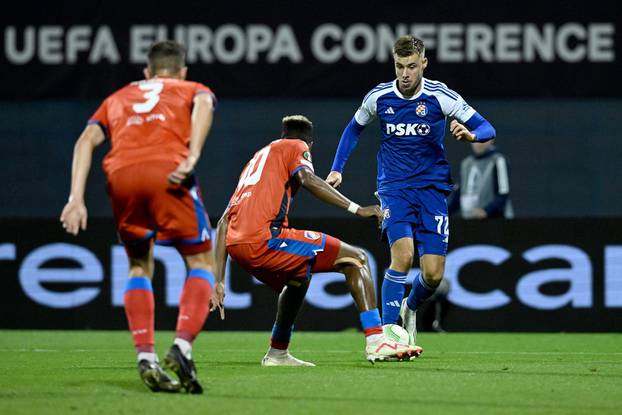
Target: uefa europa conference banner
x,y
521,275
300,49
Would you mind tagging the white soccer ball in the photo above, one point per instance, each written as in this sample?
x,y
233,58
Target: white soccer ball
x,y
396,333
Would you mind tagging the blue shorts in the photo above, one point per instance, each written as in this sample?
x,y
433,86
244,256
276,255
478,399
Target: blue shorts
x,y
420,214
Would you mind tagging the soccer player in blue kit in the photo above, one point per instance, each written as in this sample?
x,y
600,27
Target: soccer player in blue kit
x,y
413,173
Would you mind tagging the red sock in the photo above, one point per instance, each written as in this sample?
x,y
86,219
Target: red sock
x,y
140,310
194,304
373,330
275,344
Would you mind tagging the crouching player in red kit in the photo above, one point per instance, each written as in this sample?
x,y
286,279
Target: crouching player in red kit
x,y
157,128
254,232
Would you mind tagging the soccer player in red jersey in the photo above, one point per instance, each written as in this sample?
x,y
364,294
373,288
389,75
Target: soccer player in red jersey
x,y
254,232
157,128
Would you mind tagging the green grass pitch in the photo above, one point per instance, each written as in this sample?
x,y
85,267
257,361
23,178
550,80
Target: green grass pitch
x,y
76,372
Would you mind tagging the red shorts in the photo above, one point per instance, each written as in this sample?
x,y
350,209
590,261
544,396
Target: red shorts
x,y
147,206
291,256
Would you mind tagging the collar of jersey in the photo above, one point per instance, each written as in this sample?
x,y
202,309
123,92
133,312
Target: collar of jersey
x,y
417,95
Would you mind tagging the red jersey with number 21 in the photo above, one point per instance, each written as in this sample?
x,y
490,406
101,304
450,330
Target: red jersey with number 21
x,y
148,120
265,189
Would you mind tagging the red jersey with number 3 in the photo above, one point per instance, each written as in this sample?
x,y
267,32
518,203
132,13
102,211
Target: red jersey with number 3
x,y
265,189
148,120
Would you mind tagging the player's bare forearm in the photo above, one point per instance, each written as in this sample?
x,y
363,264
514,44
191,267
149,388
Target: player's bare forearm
x,y
91,137
326,193
218,294
320,189
74,214
221,247
202,118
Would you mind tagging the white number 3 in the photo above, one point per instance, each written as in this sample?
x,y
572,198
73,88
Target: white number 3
x,y
152,96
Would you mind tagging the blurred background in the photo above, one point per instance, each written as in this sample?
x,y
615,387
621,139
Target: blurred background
x,y
546,75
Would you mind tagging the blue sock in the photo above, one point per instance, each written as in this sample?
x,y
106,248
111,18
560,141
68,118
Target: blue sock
x,y
370,320
281,336
393,288
204,274
420,292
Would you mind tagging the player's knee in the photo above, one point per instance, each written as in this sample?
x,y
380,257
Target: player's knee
x,y
402,260
433,276
203,260
356,258
361,257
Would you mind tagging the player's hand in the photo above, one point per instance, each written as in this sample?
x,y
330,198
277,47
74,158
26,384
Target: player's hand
x,y
334,179
74,216
183,170
479,213
218,299
460,132
371,211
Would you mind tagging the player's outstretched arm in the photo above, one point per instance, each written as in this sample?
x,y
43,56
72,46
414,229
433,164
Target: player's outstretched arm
x,y
218,294
349,140
326,193
475,129
74,214
202,118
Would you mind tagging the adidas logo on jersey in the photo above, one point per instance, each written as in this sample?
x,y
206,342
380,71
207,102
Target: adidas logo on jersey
x,y
389,111
394,303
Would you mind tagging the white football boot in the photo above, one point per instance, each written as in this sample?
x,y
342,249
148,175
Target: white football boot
x,y
383,349
276,357
409,321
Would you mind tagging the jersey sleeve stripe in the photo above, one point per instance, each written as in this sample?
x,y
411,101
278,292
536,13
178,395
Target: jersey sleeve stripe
x,y
380,87
297,169
306,163
442,92
434,85
375,91
431,81
445,91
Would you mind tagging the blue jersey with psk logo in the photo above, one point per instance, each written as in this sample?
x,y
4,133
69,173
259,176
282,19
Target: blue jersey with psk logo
x,y
412,153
